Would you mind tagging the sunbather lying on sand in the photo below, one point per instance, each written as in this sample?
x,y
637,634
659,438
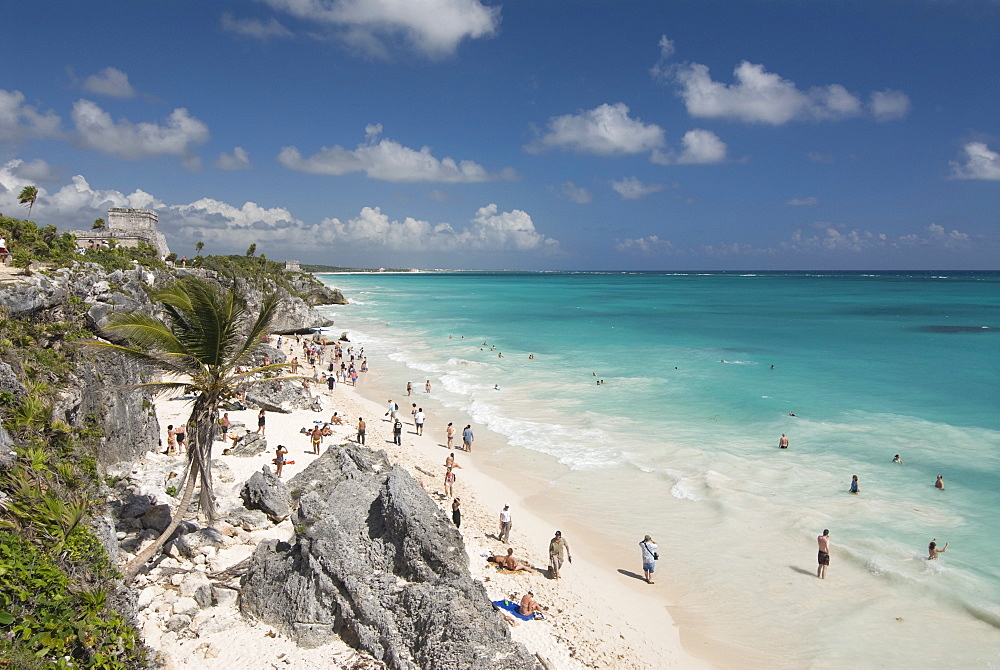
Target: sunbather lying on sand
x,y
509,562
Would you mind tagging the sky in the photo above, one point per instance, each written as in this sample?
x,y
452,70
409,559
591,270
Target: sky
x,y
526,134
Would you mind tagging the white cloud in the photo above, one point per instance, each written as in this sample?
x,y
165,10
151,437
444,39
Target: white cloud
x,y
889,105
111,82
606,130
490,230
979,163
817,157
238,160
630,188
388,160
701,147
574,193
96,130
644,245
434,28
262,30
31,172
19,121
802,202
759,96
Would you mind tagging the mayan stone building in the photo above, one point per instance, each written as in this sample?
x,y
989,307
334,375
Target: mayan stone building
x,y
127,226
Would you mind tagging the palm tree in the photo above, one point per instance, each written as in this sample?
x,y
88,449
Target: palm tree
x,y
98,224
198,247
202,344
28,196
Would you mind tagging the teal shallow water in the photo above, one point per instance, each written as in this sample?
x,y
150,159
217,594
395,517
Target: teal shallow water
x,y
688,420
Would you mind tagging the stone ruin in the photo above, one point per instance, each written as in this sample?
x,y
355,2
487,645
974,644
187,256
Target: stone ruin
x,y
127,226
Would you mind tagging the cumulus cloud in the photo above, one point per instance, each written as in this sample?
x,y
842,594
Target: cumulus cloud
x,y
238,160
574,193
606,130
760,96
388,160
978,162
96,130
630,188
802,202
111,82
700,147
889,105
252,27
434,28
31,172
644,245
19,122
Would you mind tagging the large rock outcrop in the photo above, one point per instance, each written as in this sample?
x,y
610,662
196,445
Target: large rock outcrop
x,y
375,561
265,492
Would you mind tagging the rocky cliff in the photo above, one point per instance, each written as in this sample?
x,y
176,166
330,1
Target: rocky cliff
x,y
375,561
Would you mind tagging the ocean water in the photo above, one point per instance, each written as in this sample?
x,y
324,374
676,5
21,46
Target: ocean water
x,y
680,441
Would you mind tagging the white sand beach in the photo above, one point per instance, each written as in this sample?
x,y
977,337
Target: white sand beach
x,y
598,617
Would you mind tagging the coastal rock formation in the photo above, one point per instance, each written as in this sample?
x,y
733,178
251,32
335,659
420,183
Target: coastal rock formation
x,y
375,561
250,445
265,492
315,292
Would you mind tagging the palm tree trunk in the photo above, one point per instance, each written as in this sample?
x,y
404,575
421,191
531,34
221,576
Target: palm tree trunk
x,y
201,426
133,567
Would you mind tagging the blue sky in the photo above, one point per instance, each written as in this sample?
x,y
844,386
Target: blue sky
x,y
530,134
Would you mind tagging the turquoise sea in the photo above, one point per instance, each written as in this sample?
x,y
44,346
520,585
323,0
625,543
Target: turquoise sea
x,y
680,441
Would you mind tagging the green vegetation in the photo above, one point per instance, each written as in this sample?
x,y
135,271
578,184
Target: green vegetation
x,y
30,243
28,196
56,610
202,342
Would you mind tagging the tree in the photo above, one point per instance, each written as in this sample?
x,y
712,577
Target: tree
x,y
198,247
98,224
27,197
251,250
200,346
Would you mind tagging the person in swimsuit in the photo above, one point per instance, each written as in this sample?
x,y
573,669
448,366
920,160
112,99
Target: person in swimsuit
x,y
783,442
449,483
854,485
224,424
279,457
824,553
171,442
260,422
456,513
939,484
180,433
450,433
361,430
316,436
897,459
933,551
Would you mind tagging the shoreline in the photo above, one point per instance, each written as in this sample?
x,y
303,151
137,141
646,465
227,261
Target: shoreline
x,y
592,622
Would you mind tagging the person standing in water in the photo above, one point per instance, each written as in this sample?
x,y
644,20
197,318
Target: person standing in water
x,y
897,459
933,551
824,553
783,442
854,485
939,484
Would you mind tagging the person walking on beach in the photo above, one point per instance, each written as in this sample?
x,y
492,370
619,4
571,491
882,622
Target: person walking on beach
x,y
854,485
261,421
393,408
418,419
505,524
456,513
649,557
361,430
224,424
450,434
824,553
557,545
449,483
939,484
413,414
427,386
933,551
783,442
467,438
397,433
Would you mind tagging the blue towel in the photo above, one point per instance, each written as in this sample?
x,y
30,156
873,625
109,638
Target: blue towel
x,y
514,608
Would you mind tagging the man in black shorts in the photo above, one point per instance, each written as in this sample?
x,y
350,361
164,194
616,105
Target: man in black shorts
x,y
824,553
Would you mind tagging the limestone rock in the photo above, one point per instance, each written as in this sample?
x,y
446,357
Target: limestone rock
x,y
248,520
378,563
178,622
250,445
196,585
265,492
189,545
157,518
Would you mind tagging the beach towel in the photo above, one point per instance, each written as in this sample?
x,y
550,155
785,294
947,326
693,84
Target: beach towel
x,y
513,608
